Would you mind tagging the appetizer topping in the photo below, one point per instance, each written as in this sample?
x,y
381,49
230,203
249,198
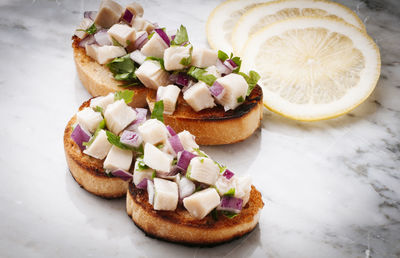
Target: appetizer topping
x,y
230,204
126,176
100,146
153,131
79,135
102,101
177,57
228,174
138,57
188,140
175,144
118,159
217,90
141,24
102,38
150,191
155,46
90,14
135,9
85,24
186,188
169,95
118,116
131,139
109,14
184,159
152,75
203,57
89,119
104,54
141,172
142,184
203,170
202,203
199,97
157,159
166,195
123,34
235,86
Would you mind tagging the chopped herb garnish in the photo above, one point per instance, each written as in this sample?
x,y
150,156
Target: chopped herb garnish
x,y
222,55
200,153
230,192
91,30
123,69
151,35
230,215
98,109
126,95
101,126
181,36
115,42
153,175
174,162
251,80
160,146
142,165
201,75
240,99
158,111
201,161
160,60
187,60
115,140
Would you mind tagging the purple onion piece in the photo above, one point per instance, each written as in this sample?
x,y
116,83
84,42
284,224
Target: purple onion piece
x,y
126,176
163,35
127,16
173,77
171,131
231,204
230,64
89,40
217,90
222,69
140,41
176,143
102,39
130,138
184,159
90,14
141,116
184,43
173,37
79,135
183,79
174,171
142,184
228,174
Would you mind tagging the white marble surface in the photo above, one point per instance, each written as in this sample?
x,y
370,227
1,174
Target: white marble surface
x,y
331,188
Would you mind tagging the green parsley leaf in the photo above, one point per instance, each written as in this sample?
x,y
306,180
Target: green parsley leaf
x,y
151,35
101,126
238,62
201,75
187,60
240,99
123,69
98,109
142,165
115,140
201,161
214,214
230,215
91,30
222,55
200,153
180,37
230,193
251,80
126,95
160,146
160,60
158,111
115,42
153,175
129,84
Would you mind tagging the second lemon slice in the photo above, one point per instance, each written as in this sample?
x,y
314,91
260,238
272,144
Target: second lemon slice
x,y
313,68
261,15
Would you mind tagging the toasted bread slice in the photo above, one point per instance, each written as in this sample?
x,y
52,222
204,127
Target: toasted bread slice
x,y
214,126
88,171
98,80
179,226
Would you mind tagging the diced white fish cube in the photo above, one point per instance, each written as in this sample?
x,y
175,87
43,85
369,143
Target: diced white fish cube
x,y
152,75
118,116
187,140
169,95
203,170
118,159
213,70
138,57
105,54
224,185
175,56
235,90
156,159
141,24
123,34
99,147
154,47
243,188
89,119
153,131
109,14
102,101
91,50
166,195
204,57
141,173
186,187
202,203
150,191
199,97
84,25
136,9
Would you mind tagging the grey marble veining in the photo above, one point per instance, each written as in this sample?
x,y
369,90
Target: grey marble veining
x,y
331,188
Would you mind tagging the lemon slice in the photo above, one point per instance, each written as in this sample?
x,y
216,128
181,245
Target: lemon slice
x,y
313,68
222,20
264,14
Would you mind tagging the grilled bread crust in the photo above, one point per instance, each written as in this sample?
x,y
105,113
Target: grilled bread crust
x,y
214,126
87,171
98,80
179,226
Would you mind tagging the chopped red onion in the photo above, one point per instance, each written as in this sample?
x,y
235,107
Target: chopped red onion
x,y
89,40
171,131
141,116
228,174
131,138
176,143
184,159
79,135
169,175
102,38
231,204
163,35
142,184
174,171
150,191
184,43
222,69
127,16
126,176
90,14
173,37
217,90
140,41
185,88
183,79
230,64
